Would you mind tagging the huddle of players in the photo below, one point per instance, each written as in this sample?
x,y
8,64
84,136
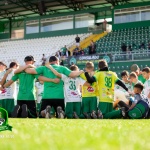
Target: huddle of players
x,y
95,101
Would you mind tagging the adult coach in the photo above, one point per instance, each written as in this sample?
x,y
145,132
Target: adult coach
x,y
53,94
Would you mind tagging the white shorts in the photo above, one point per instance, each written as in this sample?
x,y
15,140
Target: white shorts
x,y
77,44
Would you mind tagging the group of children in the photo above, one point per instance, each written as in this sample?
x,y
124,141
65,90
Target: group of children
x,y
93,94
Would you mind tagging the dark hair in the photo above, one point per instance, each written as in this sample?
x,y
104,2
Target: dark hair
x,y
146,69
29,58
102,64
53,58
12,64
73,68
124,73
1,63
139,86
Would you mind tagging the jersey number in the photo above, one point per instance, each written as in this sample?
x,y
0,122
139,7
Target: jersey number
x,y
72,85
108,82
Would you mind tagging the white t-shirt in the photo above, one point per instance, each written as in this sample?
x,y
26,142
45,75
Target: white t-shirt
x,y
146,89
72,88
122,94
39,92
2,94
11,91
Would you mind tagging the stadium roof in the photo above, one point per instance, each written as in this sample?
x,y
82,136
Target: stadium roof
x,y
27,8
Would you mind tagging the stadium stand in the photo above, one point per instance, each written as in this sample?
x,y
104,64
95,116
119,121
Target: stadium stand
x,y
112,42
17,50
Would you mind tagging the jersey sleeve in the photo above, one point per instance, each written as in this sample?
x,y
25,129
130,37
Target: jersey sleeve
x,y
40,70
66,71
64,77
36,76
115,77
81,81
15,77
83,76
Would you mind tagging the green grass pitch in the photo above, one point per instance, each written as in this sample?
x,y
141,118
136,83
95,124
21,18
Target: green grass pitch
x,y
57,134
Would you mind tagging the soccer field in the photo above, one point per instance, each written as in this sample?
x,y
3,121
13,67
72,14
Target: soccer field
x,y
53,134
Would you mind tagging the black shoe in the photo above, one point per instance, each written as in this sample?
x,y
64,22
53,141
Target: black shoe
x,y
75,115
123,112
86,115
99,114
47,113
93,115
24,113
14,113
60,113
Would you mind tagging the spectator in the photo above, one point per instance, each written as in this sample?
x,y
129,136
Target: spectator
x,y
77,39
58,54
124,48
81,52
130,48
92,48
142,45
129,51
64,50
43,60
67,54
76,51
104,24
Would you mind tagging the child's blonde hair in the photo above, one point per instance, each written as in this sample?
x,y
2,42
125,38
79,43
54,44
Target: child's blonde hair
x,y
89,65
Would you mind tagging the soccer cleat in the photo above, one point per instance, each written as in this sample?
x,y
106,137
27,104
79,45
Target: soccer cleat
x,y
60,112
24,113
75,115
99,114
47,112
14,113
123,112
86,115
93,115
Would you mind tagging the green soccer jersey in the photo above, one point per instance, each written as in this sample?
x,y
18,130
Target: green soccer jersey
x,y
26,86
53,90
141,78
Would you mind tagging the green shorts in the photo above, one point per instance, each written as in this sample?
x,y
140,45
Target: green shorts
x,y
72,107
108,112
89,104
7,104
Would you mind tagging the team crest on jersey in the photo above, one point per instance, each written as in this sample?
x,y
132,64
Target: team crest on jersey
x,y
90,89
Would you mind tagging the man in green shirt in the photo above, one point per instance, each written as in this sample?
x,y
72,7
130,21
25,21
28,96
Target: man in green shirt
x,y
53,94
26,106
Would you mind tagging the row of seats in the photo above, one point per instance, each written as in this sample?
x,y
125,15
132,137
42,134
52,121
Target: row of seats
x,y
133,37
17,50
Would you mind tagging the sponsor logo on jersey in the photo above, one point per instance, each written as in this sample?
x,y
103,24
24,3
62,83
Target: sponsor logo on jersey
x,y
73,93
90,89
